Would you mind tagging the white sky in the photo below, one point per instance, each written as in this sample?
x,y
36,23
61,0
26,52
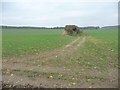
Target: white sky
x,y
52,13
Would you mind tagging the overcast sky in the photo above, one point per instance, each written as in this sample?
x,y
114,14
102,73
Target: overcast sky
x,y
52,13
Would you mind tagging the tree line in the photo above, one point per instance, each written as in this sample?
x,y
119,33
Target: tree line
x,y
29,27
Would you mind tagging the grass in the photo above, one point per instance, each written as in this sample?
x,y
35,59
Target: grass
x,y
106,36
99,53
105,51
99,49
18,42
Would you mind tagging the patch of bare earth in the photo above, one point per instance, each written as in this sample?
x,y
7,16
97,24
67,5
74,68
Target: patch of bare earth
x,y
33,71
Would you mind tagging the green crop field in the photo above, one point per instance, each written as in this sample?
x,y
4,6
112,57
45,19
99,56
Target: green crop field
x,y
18,42
46,58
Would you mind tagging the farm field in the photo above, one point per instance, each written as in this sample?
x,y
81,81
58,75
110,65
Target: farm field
x,y
47,59
18,42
